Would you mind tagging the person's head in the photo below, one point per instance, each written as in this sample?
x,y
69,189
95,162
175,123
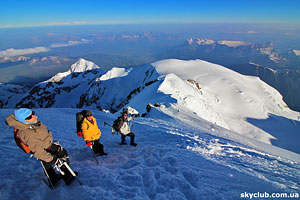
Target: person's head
x,y
125,114
88,114
25,115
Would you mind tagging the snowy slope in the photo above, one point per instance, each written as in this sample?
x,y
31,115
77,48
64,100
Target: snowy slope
x,y
117,87
225,97
212,134
242,104
91,88
173,160
63,89
202,90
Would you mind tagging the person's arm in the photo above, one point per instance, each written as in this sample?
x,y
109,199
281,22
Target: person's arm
x,y
84,128
129,118
12,121
36,147
95,121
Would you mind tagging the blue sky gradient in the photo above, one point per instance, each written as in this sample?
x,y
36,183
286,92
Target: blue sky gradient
x,y
20,13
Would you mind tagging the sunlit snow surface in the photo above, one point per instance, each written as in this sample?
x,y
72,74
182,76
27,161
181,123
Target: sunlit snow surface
x,y
173,160
213,134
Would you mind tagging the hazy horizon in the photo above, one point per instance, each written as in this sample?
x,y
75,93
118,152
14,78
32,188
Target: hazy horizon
x,y
283,36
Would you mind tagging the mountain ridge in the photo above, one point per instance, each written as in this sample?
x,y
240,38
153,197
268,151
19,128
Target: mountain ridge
x,y
80,66
201,89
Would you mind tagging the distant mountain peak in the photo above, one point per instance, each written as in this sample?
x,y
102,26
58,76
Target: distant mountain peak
x,y
241,49
13,59
296,52
230,43
200,41
82,65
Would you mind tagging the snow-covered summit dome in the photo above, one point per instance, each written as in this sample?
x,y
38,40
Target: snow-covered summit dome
x,y
82,65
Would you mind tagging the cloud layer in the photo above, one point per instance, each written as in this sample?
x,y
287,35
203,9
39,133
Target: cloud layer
x,y
252,32
70,43
19,52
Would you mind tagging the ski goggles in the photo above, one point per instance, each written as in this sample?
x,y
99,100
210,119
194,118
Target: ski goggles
x,y
30,116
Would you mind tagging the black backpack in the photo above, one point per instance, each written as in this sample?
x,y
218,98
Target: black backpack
x,y
116,124
79,120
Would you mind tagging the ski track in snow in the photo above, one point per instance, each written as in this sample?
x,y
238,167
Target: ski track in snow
x,y
172,161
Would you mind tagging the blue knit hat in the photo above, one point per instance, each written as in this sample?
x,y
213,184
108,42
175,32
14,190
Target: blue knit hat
x,y
22,113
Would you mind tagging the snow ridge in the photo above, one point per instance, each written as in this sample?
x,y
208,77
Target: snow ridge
x,y
80,66
83,65
194,88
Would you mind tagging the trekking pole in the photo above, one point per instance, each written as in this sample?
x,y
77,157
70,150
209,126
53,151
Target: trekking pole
x,y
94,154
49,180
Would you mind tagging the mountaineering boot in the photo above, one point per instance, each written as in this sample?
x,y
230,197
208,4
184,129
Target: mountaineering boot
x,y
101,150
71,178
132,141
133,144
54,177
68,177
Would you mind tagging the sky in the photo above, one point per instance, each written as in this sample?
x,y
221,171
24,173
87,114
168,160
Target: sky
x,y
20,13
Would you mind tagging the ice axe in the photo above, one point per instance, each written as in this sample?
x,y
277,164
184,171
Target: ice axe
x,y
112,128
132,122
105,123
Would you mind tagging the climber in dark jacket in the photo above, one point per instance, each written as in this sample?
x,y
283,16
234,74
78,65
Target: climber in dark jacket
x,y
124,129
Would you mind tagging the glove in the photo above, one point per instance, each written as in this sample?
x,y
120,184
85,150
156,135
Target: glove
x,y
89,143
62,153
79,134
